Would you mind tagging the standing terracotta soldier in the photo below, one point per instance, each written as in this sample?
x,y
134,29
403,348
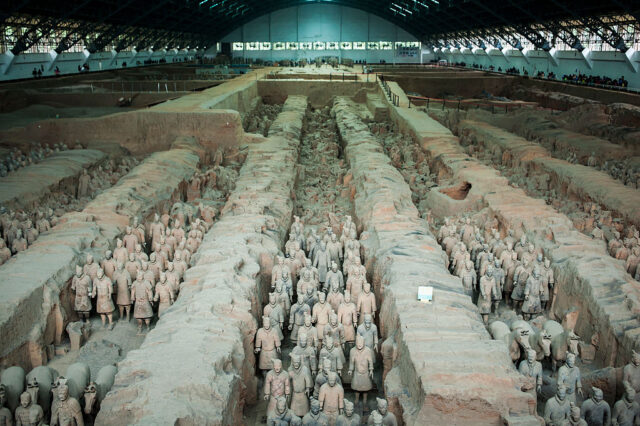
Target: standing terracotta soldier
x,y
569,376
91,268
335,251
320,314
595,410
388,418
369,331
487,287
349,417
274,311
103,289
138,230
276,385
323,377
469,278
510,266
306,352
156,230
333,354
120,254
301,385
130,240
267,344
164,294
626,412
296,319
331,398
6,418
123,282
499,277
276,271
141,296
355,283
66,411
631,373
335,297
531,369
366,303
348,317
29,413
322,260
335,330
81,286
532,291
282,416
108,264
520,277
83,184
283,298
311,332
574,417
315,417
557,408
361,369
334,277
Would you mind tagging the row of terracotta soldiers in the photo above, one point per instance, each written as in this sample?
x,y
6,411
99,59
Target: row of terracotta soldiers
x,y
20,229
17,159
323,327
508,269
135,277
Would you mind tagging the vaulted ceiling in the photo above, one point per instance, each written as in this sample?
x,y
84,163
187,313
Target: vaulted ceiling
x,y
181,23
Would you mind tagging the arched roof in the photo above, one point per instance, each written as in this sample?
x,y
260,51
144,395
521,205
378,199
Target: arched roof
x,y
201,22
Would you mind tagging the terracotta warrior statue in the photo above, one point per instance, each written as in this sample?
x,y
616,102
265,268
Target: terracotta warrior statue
x,y
301,385
296,318
626,411
120,254
595,410
331,398
532,292
108,264
320,314
557,408
274,311
311,332
91,268
335,330
388,418
142,296
28,413
334,277
569,376
81,286
335,297
164,294
123,282
361,362
348,317
355,283
66,411
276,385
574,417
531,369
6,418
323,376
315,417
282,416
322,260
366,304
267,344
487,287
306,352
333,354
103,289
348,417
369,331
631,373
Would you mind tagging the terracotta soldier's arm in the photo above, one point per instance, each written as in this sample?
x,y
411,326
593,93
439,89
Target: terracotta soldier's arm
x,y
267,387
614,417
341,400
373,305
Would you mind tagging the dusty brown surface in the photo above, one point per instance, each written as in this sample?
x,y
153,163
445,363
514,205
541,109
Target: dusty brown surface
x,y
197,365
36,301
26,186
588,278
446,359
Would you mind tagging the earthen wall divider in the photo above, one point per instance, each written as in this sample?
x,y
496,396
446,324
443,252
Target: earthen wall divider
x,y
36,304
587,277
197,366
440,363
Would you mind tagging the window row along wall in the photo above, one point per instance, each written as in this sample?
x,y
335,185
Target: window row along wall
x,y
13,67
